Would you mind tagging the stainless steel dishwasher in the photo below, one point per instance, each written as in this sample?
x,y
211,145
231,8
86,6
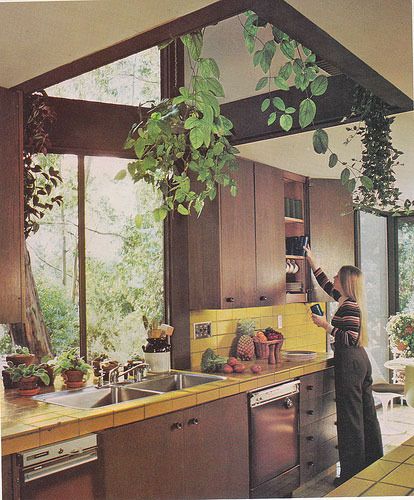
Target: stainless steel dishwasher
x,y
274,450
68,469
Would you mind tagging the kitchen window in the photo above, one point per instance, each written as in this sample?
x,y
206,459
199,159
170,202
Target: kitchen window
x,y
405,260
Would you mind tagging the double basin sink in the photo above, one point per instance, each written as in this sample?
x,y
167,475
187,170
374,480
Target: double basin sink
x,y
97,397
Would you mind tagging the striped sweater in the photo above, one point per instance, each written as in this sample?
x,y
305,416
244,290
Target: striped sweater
x,y
346,322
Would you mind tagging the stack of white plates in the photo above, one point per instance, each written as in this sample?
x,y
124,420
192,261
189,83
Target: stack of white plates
x,y
299,355
296,286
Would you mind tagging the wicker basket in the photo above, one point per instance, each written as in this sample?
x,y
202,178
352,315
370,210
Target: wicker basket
x,y
261,348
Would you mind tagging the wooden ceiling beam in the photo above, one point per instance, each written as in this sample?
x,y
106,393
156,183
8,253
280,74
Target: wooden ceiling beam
x,y
296,25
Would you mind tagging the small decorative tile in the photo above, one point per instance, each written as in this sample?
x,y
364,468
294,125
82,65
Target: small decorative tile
x,y
224,314
205,397
181,402
403,475
197,345
377,470
226,327
225,341
129,416
59,432
352,488
152,410
266,311
96,423
249,385
230,390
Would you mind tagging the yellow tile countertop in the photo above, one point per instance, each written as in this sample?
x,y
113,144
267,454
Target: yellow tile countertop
x,y
27,423
391,475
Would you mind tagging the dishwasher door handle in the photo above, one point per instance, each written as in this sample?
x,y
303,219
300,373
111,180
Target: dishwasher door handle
x,y
55,466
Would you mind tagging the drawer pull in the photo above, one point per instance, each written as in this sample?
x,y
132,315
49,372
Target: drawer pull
x,y
229,299
310,412
193,421
335,423
177,426
309,387
263,298
336,447
310,464
310,438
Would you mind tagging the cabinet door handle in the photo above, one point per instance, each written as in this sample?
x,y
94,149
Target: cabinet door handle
x,y
309,438
193,421
310,464
335,423
336,447
263,298
310,412
229,299
309,387
177,426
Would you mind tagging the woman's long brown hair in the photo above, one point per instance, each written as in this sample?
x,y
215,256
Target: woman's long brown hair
x,y
352,283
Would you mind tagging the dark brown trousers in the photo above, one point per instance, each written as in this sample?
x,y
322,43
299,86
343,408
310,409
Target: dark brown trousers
x,y
359,434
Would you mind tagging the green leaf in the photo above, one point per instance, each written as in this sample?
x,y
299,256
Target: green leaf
x,y
194,44
196,137
320,141
279,35
191,122
272,118
181,209
262,83
286,122
256,58
160,214
288,49
367,182
281,83
319,85
351,185
297,66
278,103
345,175
138,221
267,55
208,67
139,147
286,70
333,160
215,87
290,110
265,104
307,112
233,190
121,175
207,98
311,58
306,51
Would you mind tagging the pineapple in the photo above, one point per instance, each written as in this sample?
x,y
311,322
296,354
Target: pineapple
x,y
245,344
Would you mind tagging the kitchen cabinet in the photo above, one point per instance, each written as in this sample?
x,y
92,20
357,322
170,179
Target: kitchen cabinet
x,y
317,438
331,230
11,207
236,245
200,452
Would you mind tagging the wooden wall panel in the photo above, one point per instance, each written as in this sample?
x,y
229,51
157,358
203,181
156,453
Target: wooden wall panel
x,y
11,207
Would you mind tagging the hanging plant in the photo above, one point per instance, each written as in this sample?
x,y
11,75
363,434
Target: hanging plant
x,y
39,181
182,144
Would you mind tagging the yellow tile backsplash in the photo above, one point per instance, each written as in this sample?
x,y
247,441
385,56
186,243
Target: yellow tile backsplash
x,y
298,328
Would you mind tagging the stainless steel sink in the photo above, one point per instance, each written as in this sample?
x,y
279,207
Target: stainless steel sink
x,y
175,381
92,397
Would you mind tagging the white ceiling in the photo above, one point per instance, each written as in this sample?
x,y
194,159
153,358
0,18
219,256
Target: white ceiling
x,y
36,37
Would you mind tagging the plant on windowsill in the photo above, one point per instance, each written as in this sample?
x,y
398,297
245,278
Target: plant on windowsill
x,y
74,370
20,355
400,329
28,377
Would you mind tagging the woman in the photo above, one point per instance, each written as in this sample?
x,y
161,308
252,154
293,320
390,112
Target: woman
x,y
359,435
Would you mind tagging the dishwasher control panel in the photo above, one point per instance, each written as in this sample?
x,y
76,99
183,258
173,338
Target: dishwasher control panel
x,y
264,396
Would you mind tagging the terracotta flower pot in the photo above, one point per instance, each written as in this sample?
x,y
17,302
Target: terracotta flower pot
x,y
73,379
19,359
28,386
51,374
7,381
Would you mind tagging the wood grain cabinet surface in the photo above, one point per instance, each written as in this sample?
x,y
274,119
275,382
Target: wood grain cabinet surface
x,y
200,452
236,246
318,446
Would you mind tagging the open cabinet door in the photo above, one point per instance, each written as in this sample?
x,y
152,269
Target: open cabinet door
x,y
331,230
11,207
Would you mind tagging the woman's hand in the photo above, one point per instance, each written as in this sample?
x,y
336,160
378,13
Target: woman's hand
x,y
310,257
320,321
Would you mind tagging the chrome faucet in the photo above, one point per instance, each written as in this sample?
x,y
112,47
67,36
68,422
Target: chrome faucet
x,y
138,369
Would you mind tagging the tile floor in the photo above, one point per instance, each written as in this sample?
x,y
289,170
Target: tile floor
x,y
401,424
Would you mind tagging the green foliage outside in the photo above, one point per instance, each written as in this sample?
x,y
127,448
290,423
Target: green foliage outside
x,y
406,265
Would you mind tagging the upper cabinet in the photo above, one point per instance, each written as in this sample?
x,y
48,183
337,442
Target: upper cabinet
x,y
247,250
11,207
331,229
235,251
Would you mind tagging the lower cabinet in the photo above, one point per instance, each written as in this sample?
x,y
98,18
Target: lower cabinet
x,y
318,444
200,452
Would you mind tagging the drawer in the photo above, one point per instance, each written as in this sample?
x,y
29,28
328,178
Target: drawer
x,y
328,380
316,457
327,404
327,455
326,429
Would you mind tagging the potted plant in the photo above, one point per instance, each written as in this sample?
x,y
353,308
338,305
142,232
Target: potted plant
x,y
105,363
20,355
400,329
74,370
48,364
28,377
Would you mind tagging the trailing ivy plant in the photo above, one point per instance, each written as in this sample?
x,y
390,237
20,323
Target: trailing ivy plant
x,y
182,144
38,181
